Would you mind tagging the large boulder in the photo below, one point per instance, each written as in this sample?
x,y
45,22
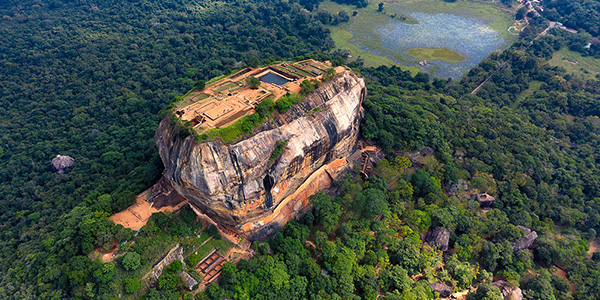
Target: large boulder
x,y
442,289
485,200
526,241
457,187
245,190
508,292
439,237
62,163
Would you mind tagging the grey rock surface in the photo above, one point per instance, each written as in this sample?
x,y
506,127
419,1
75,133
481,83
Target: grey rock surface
x,y
526,241
236,184
443,289
508,292
61,163
439,237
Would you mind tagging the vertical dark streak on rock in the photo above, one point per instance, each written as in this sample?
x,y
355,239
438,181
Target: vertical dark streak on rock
x,y
236,166
268,183
332,132
221,186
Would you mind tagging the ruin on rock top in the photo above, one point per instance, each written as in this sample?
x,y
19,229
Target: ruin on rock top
x,y
241,185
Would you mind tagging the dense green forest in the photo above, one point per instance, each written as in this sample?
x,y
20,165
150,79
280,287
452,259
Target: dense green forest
x,y
583,16
88,79
533,145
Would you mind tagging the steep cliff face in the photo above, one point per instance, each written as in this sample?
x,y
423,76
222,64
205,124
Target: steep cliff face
x,y
241,188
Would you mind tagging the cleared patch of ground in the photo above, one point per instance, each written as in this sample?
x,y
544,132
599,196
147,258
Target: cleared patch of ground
x,y
534,85
443,54
137,215
594,246
562,274
586,66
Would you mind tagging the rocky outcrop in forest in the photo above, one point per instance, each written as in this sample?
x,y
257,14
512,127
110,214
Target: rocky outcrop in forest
x,y
247,189
62,163
439,237
526,241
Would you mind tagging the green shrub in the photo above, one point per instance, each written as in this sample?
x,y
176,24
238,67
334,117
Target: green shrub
x,y
168,281
234,132
132,285
193,260
212,231
278,151
284,103
175,266
253,82
266,108
131,261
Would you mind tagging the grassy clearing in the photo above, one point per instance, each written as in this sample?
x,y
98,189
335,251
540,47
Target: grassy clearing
x,y
586,66
226,86
533,87
443,54
204,250
213,80
298,70
223,245
191,245
191,97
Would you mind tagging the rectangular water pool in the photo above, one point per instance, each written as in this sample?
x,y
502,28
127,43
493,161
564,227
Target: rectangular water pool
x,y
273,79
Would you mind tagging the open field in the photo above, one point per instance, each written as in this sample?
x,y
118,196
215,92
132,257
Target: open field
x,y
587,67
382,38
534,85
137,215
443,54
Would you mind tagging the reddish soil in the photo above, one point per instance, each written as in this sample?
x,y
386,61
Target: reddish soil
x,y
562,274
137,215
594,246
105,256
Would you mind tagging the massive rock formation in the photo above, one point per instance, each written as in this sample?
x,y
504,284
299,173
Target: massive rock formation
x,y
241,187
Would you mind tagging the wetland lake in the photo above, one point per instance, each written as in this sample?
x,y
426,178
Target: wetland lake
x,y
451,42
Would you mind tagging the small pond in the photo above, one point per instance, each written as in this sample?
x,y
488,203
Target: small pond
x,y
273,79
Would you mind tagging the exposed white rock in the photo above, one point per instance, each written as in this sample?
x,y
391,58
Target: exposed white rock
x,y
236,185
61,163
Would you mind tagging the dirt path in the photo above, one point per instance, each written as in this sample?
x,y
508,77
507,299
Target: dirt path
x,y
594,246
562,274
104,256
245,254
502,65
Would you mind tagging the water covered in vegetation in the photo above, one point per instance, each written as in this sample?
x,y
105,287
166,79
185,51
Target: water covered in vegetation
x,y
470,37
